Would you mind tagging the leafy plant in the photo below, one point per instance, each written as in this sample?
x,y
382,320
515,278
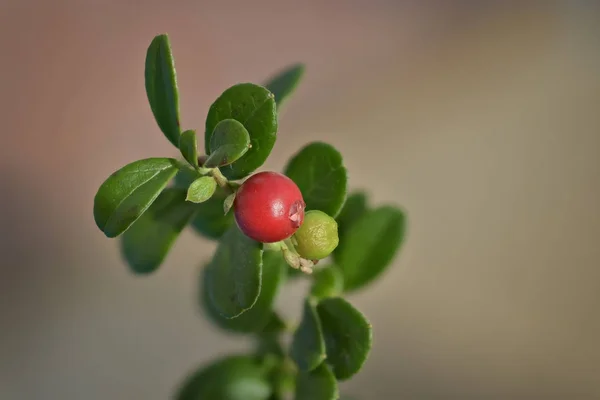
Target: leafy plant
x,y
149,202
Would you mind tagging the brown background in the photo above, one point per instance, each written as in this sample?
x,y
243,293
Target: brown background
x,y
481,121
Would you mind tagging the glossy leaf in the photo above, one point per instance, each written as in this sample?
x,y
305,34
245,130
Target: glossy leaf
x,y
308,345
234,274
201,189
327,282
210,221
348,336
319,172
284,83
319,384
229,141
370,245
146,243
127,193
231,378
256,318
188,145
161,87
253,106
354,207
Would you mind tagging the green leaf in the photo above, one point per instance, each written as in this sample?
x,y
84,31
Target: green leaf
x,y
161,87
284,83
127,193
146,243
319,384
189,147
230,378
319,172
210,221
370,245
308,345
348,336
229,141
328,282
185,176
256,318
201,189
354,207
253,106
228,203
234,274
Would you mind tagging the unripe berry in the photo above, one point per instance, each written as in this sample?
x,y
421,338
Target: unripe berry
x,y
317,237
269,207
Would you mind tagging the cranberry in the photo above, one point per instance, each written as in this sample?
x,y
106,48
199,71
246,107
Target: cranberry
x,y
317,237
269,207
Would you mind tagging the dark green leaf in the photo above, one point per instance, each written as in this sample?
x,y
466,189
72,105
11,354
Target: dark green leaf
x,y
210,221
354,207
285,82
189,147
348,336
319,384
234,274
201,189
146,243
161,87
328,282
256,318
370,245
127,193
229,141
185,176
253,106
319,172
230,378
308,345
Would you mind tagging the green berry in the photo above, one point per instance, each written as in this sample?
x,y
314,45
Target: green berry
x,y
317,237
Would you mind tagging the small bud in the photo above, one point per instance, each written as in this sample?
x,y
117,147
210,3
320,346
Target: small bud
x,y
317,237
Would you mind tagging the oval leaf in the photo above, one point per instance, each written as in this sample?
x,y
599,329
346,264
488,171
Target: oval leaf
x,y
201,189
284,83
319,384
146,243
189,147
230,378
229,141
319,172
127,193
233,276
256,318
328,282
370,245
348,336
253,106
308,345
210,221
161,87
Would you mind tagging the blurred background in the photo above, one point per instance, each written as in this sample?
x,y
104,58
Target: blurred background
x,y
481,119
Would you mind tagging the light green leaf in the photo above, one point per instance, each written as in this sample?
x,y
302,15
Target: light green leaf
x,y
319,384
369,246
308,345
127,193
146,243
319,172
161,87
234,274
230,378
348,336
201,189
256,318
210,221
327,282
229,141
228,203
284,83
189,147
253,106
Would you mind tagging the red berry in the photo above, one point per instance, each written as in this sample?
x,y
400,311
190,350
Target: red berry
x,y
269,207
